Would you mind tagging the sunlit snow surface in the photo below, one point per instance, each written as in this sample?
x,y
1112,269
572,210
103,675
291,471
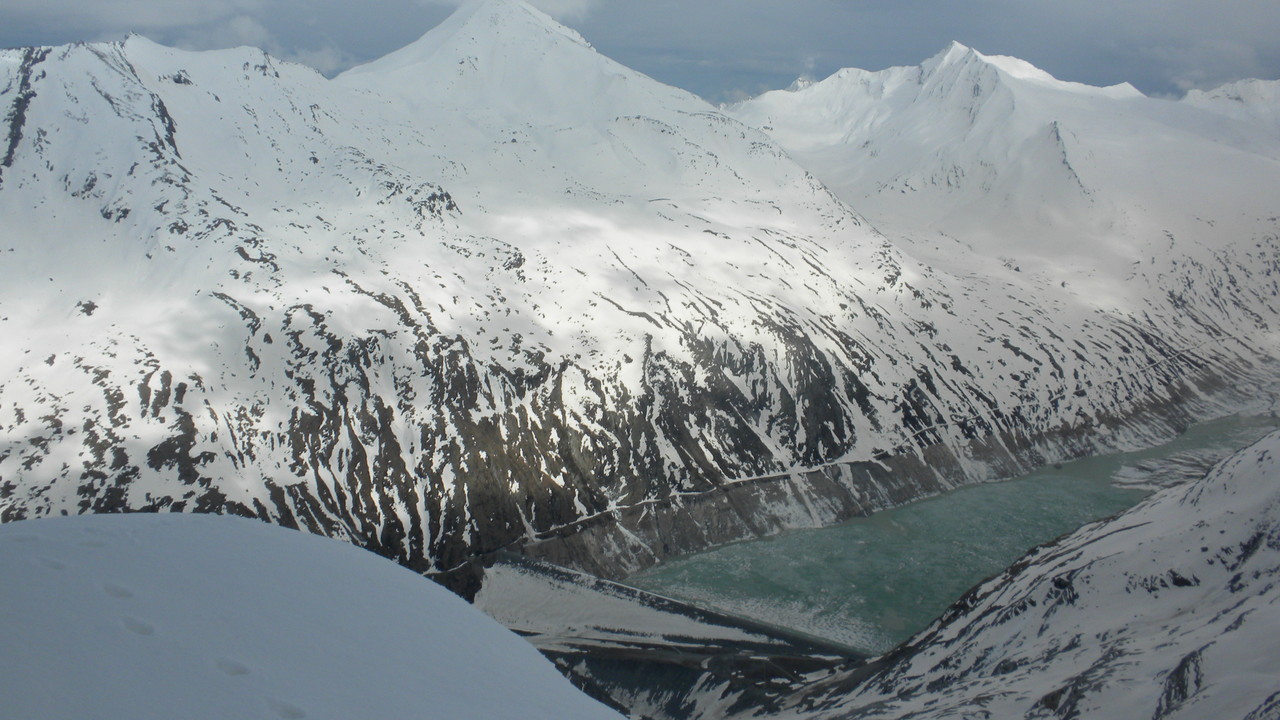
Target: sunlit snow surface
x,y
1102,191
181,616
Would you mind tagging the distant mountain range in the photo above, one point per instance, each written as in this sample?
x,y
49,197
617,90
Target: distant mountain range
x,y
1104,189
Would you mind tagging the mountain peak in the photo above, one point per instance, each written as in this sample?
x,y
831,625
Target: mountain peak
x,y
479,27
1250,91
953,54
509,16
957,55
802,82
957,49
510,62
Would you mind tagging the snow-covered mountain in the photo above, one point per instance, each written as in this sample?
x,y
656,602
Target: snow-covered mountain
x,y
146,616
498,291
1252,100
1111,192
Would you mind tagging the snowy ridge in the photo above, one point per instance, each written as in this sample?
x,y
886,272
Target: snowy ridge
x,y
1257,100
1168,610
146,616
364,308
1080,185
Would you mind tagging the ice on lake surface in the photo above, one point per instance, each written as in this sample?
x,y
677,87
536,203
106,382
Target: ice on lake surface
x,y
872,582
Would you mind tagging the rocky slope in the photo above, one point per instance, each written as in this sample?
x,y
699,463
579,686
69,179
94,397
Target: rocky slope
x,y
497,291
1168,610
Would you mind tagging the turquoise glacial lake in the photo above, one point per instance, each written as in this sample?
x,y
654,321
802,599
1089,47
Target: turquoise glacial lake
x,y
871,583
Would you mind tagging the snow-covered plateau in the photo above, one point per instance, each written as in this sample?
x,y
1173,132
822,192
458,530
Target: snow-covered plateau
x,y
197,616
495,293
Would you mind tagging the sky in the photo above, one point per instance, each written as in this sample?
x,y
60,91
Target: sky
x,y
726,50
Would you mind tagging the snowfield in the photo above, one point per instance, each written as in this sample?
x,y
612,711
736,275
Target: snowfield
x,y
196,616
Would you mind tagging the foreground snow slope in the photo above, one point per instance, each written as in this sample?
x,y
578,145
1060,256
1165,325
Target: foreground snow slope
x,y
165,616
498,291
1169,610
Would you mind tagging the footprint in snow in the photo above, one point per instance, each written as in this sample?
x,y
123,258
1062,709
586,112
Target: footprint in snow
x,y
137,627
231,667
288,711
116,591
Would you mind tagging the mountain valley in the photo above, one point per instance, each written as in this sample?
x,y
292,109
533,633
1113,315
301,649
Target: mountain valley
x,y
495,301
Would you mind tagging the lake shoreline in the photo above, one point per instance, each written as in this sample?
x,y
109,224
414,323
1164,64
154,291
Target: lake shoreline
x,y
627,540
870,583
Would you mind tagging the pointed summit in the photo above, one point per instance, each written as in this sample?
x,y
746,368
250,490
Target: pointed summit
x,y
960,64
958,55
953,54
506,58
476,28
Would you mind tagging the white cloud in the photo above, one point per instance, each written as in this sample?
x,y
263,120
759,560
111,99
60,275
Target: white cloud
x,y
245,30
130,14
1212,62
329,60
233,32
